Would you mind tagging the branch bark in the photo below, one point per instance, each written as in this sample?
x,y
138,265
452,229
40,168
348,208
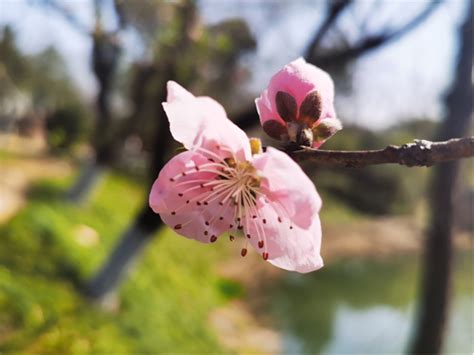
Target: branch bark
x,y
419,153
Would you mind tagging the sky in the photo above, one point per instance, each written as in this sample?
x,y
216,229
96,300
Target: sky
x,y
404,80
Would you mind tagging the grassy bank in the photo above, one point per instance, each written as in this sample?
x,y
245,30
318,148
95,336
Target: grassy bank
x,y
51,247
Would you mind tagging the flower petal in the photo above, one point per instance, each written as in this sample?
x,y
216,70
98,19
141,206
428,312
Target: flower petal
x,y
288,246
287,186
181,200
202,122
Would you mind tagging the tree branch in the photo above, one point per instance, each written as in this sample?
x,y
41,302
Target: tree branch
x,y
335,8
372,42
419,153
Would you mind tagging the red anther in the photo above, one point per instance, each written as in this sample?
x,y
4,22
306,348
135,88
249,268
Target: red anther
x,y
205,203
291,227
198,203
260,243
240,227
197,168
206,232
183,173
265,256
213,238
221,203
243,252
254,216
279,219
264,221
210,159
171,179
248,236
206,223
178,226
173,213
180,194
231,226
187,201
202,186
231,237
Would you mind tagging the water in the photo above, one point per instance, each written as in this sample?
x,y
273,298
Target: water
x,y
366,307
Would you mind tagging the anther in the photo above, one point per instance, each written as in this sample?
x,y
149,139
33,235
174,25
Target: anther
x,y
210,159
206,223
279,219
198,203
205,203
180,194
231,238
173,213
240,227
206,232
260,243
231,226
171,179
264,221
243,252
213,238
265,256
183,173
254,216
187,201
221,203
291,227
248,236
178,226
221,218
202,185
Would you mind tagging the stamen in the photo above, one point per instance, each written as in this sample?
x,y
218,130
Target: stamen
x,y
243,252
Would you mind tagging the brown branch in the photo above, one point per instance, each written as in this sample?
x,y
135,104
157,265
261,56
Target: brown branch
x,y
419,153
372,42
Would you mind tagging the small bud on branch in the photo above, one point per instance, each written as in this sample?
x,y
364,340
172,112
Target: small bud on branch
x,y
418,153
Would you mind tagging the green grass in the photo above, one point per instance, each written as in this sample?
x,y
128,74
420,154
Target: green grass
x,y
164,304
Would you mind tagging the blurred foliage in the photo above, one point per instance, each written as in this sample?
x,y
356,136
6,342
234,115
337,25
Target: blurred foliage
x,y
51,247
389,190
42,76
65,127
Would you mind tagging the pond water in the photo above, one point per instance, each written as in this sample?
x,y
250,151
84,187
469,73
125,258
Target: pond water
x,y
366,307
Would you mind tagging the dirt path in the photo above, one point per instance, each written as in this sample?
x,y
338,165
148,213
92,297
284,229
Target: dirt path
x,y
23,161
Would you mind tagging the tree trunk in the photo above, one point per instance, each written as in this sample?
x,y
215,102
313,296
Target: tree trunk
x,y
89,177
436,278
130,246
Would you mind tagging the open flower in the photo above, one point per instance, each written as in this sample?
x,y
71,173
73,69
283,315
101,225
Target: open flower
x,y
225,183
298,105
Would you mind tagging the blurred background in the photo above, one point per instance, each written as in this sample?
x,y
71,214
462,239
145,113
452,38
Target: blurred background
x,y
84,264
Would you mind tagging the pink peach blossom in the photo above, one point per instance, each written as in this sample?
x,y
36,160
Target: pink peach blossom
x,y
298,99
225,183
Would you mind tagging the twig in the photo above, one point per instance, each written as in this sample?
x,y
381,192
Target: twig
x,y
372,42
419,153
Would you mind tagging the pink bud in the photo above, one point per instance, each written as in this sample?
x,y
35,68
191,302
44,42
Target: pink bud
x,y
298,97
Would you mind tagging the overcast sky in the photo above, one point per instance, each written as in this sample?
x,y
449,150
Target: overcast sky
x,y
404,80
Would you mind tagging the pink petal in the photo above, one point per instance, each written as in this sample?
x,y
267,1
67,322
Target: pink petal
x,y
287,186
288,246
169,197
300,78
202,122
